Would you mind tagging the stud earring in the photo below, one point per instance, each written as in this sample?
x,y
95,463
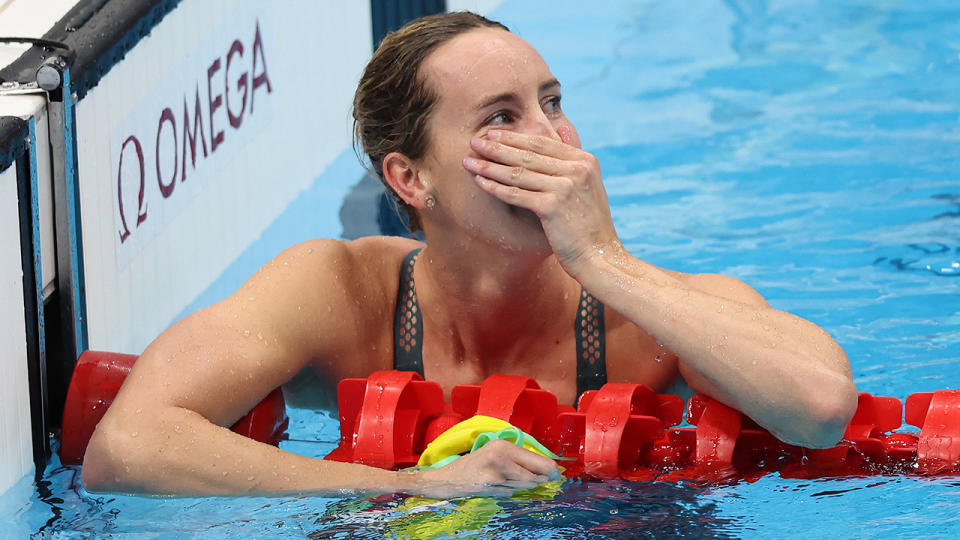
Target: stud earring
x,y
430,201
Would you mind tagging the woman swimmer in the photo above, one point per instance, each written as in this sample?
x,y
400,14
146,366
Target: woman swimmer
x,y
461,119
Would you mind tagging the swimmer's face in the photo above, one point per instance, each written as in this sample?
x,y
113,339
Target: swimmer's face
x,y
485,79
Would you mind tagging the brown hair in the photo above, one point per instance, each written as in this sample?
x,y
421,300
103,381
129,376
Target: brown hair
x,y
393,102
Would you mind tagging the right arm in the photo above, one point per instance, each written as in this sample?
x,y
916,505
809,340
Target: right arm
x,y
166,431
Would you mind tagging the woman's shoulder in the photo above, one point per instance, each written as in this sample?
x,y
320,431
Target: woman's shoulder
x,y
367,253
358,266
338,295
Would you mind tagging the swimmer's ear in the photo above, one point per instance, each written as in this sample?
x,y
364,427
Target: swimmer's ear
x,y
403,175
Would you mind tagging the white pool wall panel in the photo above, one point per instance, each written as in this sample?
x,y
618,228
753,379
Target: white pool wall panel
x,y
314,56
35,106
16,451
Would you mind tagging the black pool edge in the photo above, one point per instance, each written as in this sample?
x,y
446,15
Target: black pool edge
x,y
100,33
13,140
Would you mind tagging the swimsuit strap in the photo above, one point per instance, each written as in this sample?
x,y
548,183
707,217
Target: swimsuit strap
x,y
407,321
591,344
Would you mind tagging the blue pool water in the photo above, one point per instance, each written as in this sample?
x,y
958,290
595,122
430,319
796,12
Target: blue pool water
x,y
808,147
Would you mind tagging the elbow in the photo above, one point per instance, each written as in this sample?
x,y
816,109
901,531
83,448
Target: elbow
x,y
97,473
107,461
831,415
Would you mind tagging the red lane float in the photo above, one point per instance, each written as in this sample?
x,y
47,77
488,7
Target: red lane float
x,y
938,447
383,418
96,380
626,430
620,431
614,425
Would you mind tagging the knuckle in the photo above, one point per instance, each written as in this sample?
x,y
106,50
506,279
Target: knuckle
x,y
497,446
537,143
516,172
581,169
526,157
499,443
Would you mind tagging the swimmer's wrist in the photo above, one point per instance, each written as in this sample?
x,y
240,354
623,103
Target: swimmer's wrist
x,y
599,259
407,482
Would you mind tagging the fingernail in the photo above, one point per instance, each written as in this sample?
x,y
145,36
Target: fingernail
x,y
470,163
493,134
481,180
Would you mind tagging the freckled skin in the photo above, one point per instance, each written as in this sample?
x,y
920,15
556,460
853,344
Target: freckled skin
x,y
520,222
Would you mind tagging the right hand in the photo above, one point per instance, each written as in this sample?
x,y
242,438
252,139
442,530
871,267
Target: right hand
x,y
498,468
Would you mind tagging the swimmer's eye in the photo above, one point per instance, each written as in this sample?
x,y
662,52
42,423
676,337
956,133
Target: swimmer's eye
x,y
551,105
500,118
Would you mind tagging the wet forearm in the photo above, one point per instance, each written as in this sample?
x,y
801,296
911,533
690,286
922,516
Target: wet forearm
x,y
784,372
177,451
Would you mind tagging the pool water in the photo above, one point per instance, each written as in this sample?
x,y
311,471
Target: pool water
x,y
808,147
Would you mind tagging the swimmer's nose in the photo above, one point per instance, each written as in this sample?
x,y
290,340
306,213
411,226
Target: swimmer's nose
x,y
541,125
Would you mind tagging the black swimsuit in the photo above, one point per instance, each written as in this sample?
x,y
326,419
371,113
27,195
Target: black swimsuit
x,y
408,333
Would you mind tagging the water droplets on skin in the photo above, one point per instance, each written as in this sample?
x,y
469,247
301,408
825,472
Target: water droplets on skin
x,y
135,434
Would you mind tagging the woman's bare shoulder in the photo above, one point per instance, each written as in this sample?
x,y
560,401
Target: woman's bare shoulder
x,y
331,297
364,257
337,272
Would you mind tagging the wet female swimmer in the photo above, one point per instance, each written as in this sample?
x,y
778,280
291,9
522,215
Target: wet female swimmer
x,y
462,120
